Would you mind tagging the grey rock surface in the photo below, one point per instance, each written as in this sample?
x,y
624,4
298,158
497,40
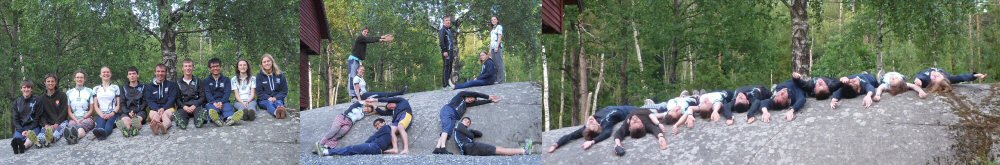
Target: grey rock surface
x,y
264,141
518,116
900,129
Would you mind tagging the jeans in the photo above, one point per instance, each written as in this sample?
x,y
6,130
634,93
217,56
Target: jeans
x,y
272,108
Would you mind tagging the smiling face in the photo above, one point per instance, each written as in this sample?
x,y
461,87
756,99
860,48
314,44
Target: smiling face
x,y
592,123
188,68
133,76
216,68
937,76
470,99
243,67
80,78
161,73
391,106
267,63
106,74
447,22
494,20
364,32
378,125
741,99
361,71
483,56
25,91
50,83
467,122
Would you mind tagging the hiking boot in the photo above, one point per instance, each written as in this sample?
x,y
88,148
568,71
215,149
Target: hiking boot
x,y
71,135
442,151
182,120
121,126
237,117
99,133
33,137
249,115
214,116
199,118
48,136
528,144
66,134
281,112
318,149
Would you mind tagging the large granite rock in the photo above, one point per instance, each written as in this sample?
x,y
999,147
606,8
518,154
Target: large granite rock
x,y
900,129
507,124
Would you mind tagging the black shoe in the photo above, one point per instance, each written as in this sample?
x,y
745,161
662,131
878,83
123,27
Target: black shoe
x,y
437,150
99,133
17,145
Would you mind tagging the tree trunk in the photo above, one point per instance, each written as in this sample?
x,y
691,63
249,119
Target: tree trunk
x,y
168,46
580,81
545,89
800,36
597,89
878,40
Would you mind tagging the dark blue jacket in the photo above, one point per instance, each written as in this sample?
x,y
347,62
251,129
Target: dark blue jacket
x,y
925,76
26,113
402,107
271,86
446,40
488,72
464,135
607,117
382,138
809,85
161,95
797,97
218,90
458,102
868,84
754,93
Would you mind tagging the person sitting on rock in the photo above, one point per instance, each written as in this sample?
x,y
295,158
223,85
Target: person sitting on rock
x,y
746,98
402,114
637,125
896,84
938,80
342,124
160,97
217,93
854,86
785,95
597,127
272,88
816,87
454,110
26,111
107,105
378,143
133,105
486,77
53,102
190,98
361,87
465,138
80,113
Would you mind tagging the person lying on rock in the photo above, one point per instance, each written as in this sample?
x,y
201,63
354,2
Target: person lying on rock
x,y
680,108
637,125
342,124
360,86
785,95
896,84
816,87
378,143
402,114
709,104
745,99
597,127
454,110
854,86
938,80
465,138
486,77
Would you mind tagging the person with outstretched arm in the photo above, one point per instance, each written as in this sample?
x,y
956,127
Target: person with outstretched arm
x,y
378,143
402,116
465,138
745,99
637,125
358,52
854,86
938,80
785,95
896,84
597,127
816,87
454,110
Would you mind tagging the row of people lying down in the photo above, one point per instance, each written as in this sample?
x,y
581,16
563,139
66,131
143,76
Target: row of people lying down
x,y
42,121
384,140
754,100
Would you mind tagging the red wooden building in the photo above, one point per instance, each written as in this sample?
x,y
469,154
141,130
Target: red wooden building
x,y
313,29
552,14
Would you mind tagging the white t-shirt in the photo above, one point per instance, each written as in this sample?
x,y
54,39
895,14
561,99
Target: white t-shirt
x,y
79,99
889,76
495,36
361,82
106,97
356,114
243,89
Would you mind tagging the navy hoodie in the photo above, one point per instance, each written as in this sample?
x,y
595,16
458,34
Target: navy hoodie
x,y
271,86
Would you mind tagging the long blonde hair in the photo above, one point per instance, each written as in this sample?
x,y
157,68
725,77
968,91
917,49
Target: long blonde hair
x,y
274,67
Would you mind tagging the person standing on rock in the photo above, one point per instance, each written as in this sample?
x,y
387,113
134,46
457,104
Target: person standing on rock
x,y
107,105
378,143
746,98
402,116
816,87
26,112
496,48
785,95
597,128
454,110
360,86
449,52
161,97
272,87
244,88
217,92
465,138
53,102
80,112
191,98
896,84
939,80
342,124
358,52
637,125
487,76
854,86
133,105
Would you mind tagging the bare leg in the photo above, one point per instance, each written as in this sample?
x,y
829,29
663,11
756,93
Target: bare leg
x,y
441,140
509,151
166,119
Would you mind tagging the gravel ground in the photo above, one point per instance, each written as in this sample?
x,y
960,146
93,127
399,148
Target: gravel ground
x,y
507,124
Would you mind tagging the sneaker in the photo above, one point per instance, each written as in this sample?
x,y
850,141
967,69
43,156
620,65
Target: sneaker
x,y
49,136
528,145
66,133
237,117
318,149
121,126
71,135
33,137
282,112
182,120
17,145
214,116
99,134
136,126
249,115
199,119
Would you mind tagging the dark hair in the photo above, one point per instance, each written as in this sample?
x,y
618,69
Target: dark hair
x,y
248,73
158,66
591,134
470,119
53,76
637,132
214,61
132,69
27,83
823,94
377,121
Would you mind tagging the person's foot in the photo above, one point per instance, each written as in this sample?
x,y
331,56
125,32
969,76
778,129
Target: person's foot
x,y
181,120
281,112
750,120
155,126
48,136
214,117
99,133
136,126
318,149
552,149
528,145
729,122
249,115
33,137
442,151
200,119
237,117
121,126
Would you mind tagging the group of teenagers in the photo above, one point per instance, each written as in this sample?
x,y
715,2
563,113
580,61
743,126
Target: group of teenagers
x,y
754,100
41,121
384,140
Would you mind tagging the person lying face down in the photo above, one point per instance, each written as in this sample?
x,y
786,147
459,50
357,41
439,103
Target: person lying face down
x,y
939,80
896,84
597,127
816,87
745,99
862,84
637,125
786,95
